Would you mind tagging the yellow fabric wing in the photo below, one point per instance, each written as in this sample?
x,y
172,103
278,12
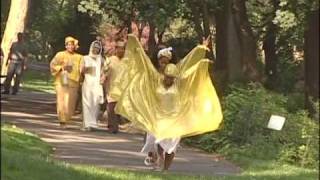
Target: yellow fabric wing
x,y
134,63
188,108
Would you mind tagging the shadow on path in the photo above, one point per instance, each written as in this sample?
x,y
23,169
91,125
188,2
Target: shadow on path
x,y
36,112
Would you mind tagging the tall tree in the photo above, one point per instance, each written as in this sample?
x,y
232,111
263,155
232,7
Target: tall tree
x,y
269,47
312,59
15,24
247,40
235,44
202,17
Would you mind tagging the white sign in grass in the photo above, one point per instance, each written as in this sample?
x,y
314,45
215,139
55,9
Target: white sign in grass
x,y
276,122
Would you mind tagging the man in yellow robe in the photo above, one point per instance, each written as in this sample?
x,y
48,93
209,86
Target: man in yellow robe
x,y
113,69
65,67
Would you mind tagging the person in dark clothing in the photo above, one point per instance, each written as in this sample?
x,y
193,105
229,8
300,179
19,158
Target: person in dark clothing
x,y
17,63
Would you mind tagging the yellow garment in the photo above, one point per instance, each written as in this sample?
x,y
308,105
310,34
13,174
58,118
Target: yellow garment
x,y
66,102
187,108
114,71
61,59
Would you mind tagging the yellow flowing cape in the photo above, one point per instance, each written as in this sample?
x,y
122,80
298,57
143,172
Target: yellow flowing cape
x,y
197,109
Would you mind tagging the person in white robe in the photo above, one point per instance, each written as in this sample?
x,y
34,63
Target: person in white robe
x,y
92,90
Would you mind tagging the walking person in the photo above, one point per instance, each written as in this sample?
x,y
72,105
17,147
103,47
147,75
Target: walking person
x,y
164,57
92,92
17,64
65,67
113,68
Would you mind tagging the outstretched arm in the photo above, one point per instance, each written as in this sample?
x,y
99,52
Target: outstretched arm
x,y
201,65
195,55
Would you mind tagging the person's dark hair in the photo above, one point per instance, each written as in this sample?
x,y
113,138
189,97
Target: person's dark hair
x,y
20,35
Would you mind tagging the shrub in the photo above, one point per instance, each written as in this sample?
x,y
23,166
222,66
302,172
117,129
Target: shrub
x,y
244,130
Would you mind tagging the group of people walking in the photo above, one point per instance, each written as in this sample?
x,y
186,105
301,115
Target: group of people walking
x,y
93,74
167,102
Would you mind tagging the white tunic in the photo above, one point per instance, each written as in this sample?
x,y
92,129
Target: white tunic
x,y
92,92
168,145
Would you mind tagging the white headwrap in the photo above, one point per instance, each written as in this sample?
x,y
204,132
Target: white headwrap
x,y
166,52
95,44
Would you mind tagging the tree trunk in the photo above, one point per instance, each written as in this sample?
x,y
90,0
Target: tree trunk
x,y
160,36
206,27
235,45
228,62
205,17
196,18
152,42
129,25
15,24
233,49
312,60
248,44
269,47
61,5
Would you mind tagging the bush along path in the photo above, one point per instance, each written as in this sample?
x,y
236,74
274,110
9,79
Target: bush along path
x,y
35,112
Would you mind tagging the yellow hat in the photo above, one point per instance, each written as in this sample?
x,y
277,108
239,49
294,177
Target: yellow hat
x,y
71,39
171,70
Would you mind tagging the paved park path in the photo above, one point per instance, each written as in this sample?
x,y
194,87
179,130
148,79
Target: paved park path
x,y
35,112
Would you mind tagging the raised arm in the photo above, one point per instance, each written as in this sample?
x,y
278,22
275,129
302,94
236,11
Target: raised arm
x,y
195,55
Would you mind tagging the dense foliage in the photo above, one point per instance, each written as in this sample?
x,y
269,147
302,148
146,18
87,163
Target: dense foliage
x,y
244,131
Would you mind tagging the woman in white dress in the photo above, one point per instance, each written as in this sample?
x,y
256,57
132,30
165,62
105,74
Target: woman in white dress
x,y
162,151
92,92
178,102
158,151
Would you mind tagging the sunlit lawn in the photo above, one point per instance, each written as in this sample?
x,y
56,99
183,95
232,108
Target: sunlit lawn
x,y
38,81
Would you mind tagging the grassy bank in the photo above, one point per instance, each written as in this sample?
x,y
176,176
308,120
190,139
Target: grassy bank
x,y
25,156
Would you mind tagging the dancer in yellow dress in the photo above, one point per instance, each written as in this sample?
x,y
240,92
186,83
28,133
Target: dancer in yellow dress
x,y
186,106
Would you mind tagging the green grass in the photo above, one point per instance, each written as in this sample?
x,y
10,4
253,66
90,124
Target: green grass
x,y
38,81
272,170
25,156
